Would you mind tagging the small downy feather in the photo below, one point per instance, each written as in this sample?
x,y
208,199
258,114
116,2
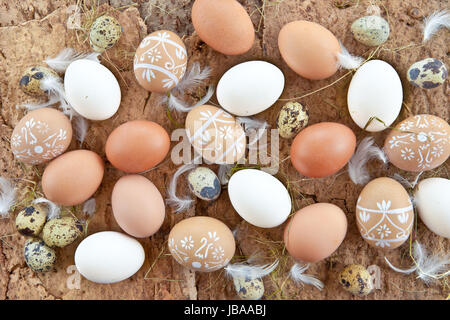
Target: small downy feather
x,y
53,209
7,196
434,22
81,127
224,173
177,203
89,206
406,183
297,274
193,78
427,267
347,60
177,104
252,124
366,151
67,56
250,271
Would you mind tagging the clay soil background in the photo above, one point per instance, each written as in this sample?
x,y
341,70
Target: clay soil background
x,y
30,31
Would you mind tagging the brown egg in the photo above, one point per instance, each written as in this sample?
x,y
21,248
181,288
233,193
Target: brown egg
x,y
160,61
309,49
40,136
137,206
73,177
137,146
315,232
202,244
419,143
384,213
215,134
322,149
224,25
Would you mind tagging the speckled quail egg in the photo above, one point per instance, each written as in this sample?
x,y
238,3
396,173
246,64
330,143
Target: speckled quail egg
x,y
428,73
61,232
38,256
248,288
204,183
104,33
356,279
31,220
371,30
292,118
32,78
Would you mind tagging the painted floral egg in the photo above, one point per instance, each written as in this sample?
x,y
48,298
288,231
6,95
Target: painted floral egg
x,y
419,143
31,80
40,136
384,213
428,73
215,134
160,61
371,30
202,243
204,183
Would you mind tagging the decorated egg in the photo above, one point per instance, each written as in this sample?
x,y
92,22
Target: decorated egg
x,y
137,146
428,73
204,183
91,89
315,232
215,134
371,30
61,232
160,61
31,220
419,143
73,177
38,256
384,213
356,279
249,288
109,257
104,33
322,149
250,88
201,243
375,94
259,198
138,206
433,203
309,49
40,136
224,25
32,80
292,118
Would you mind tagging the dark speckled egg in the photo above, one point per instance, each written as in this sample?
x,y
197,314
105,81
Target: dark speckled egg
x,y
104,33
204,183
371,30
248,288
38,256
32,78
356,279
31,220
293,117
61,232
428,73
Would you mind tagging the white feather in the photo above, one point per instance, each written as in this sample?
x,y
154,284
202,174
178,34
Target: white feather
x,y
81,127
366,151
297,274
405,182
347,60
434,22
252,125
67,56
224,173
249,271
193,78
7,196
53,209
89,206
177,104
177,203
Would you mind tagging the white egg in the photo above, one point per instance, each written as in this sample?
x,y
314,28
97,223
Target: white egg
x,y
259,198
375,91
109,257
432,198
92,90
250,87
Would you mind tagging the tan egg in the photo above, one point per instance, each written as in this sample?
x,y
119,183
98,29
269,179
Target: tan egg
x,y
384,213
73,177
419,143
40,136
160,61
309,49
215,134
202,244
224,25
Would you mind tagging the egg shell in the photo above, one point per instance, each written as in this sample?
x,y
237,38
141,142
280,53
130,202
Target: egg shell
x,y
137,146
92,90
433,203
371,30
38,256
315,232
384,213
250,87
419,143
31,80
104,33
356,280
215,134
322,149
61,232
160,61
259,198
309,49
109,257
249,288
40,136
31,220
292,118
138,206
204,183
202,243
73,177
224,25
428,73
375,91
